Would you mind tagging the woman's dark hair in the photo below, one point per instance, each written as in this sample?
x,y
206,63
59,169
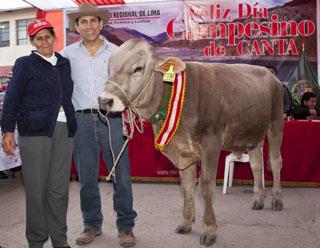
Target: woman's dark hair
x,y
51,31
306,97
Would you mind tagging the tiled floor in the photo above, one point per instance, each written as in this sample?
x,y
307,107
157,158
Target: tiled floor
x,y
159,211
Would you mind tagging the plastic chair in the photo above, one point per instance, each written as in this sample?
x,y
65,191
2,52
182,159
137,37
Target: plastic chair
x,y
229,167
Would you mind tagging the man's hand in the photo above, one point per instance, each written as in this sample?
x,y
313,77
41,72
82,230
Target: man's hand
x,y
313,112
8,143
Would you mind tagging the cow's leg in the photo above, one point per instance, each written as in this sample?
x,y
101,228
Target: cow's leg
x,y
187,182
209,164
256,158
275,160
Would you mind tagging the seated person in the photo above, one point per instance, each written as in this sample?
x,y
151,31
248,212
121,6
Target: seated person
x,y
307,110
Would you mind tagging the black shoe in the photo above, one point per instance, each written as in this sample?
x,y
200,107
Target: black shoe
x,y
67,246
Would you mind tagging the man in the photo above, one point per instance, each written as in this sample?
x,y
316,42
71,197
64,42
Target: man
x,y
287,98
89,61
307,110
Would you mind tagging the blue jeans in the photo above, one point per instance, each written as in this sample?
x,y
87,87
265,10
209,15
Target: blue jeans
x,y
92,133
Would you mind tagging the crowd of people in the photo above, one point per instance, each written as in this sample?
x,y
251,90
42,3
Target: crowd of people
x,y
53,100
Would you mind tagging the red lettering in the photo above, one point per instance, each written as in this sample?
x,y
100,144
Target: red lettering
x,y
274,25
240,48
244,10
213,50
292,48
266,46
218,30
293,28
226,14
306,27
170,30
250,27
280,43
255,48
264,29
218,11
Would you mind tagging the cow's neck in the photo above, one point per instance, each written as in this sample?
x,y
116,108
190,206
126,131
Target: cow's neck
x,y
150,101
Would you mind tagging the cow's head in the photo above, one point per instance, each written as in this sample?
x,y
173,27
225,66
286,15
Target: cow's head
x,y
131,73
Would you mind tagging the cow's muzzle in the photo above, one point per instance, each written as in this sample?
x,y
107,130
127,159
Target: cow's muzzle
x,y
105,103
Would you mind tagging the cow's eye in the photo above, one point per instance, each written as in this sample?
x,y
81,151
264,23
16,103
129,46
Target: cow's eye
x,y
139,68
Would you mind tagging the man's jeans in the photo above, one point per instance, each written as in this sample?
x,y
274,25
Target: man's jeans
x,y
92,134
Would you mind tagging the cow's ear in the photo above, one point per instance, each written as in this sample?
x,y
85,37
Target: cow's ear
x,y
164,65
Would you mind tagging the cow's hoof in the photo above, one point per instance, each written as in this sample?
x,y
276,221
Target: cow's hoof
x,y
257,205
277,205
182,230
207,240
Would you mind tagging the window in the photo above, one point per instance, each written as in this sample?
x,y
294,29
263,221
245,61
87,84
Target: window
x,y
3,80
22,37
4,34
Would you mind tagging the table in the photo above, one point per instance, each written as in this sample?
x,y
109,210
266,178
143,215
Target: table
x,y
300,152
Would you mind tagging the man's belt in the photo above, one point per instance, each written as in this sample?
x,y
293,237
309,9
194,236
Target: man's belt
x,y
96,112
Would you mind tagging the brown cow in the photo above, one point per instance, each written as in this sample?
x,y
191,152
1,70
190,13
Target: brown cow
x,y
230,107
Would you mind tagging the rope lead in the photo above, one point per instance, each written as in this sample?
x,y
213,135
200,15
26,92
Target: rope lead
x,y
128,117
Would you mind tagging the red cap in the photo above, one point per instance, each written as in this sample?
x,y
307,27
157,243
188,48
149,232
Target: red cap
x,y
38,24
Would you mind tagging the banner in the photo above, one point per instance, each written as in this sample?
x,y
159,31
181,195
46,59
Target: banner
x,y
272,32
250,28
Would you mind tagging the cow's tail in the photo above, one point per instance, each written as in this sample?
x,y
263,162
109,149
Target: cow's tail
x,y
277,99
275,130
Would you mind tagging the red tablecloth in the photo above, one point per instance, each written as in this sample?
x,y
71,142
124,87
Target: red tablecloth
x,y
300,152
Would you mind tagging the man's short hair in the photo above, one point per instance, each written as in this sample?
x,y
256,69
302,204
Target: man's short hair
x,y
306,96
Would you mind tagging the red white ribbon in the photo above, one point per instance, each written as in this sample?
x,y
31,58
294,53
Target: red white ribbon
x,y
174,112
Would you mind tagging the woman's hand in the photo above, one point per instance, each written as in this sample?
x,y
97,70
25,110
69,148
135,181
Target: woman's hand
x,y
8,143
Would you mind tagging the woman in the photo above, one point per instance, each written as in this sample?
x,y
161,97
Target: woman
x,y
38,100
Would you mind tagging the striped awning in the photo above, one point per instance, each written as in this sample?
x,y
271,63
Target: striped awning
x,y
108,2
101,2
64,4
